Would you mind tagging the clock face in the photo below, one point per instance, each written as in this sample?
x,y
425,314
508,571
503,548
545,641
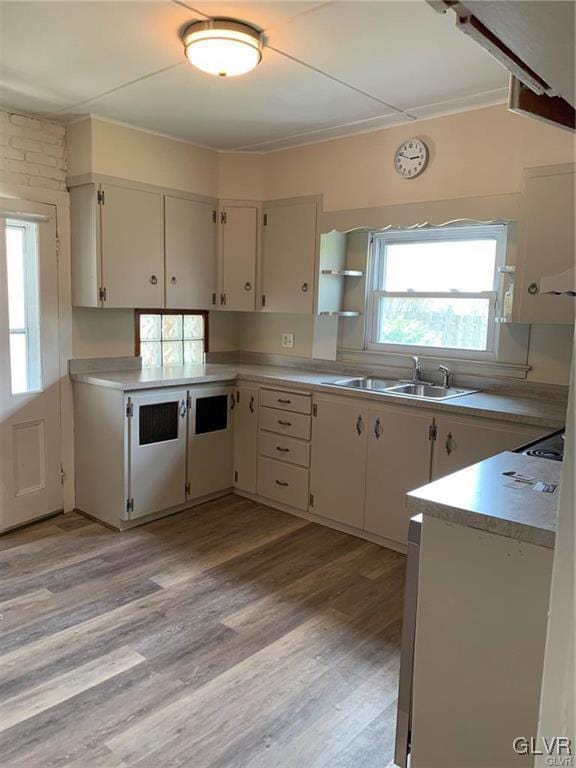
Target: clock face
x,y
411,158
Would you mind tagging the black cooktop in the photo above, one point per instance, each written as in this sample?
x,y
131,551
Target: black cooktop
x,y
551,447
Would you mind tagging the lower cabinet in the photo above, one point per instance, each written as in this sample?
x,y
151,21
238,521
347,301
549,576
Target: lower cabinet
x,y
210,440
462,441
157,451
246,438
283,482
398,462
338,464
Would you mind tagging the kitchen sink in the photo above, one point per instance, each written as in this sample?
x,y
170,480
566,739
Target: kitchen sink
x,y
374,385
422,390
428,391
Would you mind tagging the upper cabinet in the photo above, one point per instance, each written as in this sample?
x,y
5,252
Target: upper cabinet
x,y
290,246
238,257
134,246
547,244
191,256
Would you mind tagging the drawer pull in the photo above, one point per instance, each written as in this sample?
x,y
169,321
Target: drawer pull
x,y
284,423
281,482
282,450
251,404
284,402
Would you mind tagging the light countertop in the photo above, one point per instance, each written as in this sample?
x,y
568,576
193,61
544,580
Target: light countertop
x,y
532,411
481,497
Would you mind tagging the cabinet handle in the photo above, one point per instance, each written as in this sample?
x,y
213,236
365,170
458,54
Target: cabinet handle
x,y
173,280
533,288
359,425
282,450
183,409
232,402
280,482
285,423
305,287
284,402
247,286
251,404
153,280
448,445
377,429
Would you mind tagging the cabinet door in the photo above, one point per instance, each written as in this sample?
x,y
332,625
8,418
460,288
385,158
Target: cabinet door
x,y
399,455
238,258
132,243
191,256
157,440
338,465
246,438
210,440
461,442
288,258
547,246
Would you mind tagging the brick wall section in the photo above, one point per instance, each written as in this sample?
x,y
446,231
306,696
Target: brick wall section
x,y
32,152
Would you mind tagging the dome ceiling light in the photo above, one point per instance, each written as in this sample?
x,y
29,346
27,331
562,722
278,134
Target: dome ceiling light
x,y
223,47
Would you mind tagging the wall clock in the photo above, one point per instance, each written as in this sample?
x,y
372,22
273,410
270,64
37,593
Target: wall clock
x,y
411,158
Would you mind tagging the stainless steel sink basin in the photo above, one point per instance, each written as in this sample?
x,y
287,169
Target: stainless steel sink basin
x,y
428,391
363,383
385,387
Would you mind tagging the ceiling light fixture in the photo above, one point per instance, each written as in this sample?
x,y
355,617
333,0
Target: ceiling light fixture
x,y
222,47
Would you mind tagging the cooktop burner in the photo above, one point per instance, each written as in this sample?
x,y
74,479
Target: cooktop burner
x,y
551,447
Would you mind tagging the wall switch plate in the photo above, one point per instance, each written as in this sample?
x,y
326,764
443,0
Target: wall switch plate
x,y
288,340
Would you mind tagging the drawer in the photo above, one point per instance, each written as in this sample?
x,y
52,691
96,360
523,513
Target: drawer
x,y
283,482
284,449
286,401
291,424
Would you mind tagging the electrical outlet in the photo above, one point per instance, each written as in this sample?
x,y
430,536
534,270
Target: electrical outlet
x,y
288,340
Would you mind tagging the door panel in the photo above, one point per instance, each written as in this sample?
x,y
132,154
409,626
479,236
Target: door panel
x,y
289,258
158,431
246,438
399,455
132,235
239,234
210,442
461,442
338,466
191,258
30,432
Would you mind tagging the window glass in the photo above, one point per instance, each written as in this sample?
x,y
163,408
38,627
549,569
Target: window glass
x,y
171,338
23,306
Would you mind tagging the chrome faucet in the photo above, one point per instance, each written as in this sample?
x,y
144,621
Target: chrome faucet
x,y
446,376
416,369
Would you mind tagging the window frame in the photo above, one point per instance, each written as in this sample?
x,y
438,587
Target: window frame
x,y
379,241
31,330
138,312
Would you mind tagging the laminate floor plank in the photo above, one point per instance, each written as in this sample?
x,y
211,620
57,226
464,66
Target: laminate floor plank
x,y
228,636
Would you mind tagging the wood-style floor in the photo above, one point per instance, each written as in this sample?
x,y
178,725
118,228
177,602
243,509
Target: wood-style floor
x,y
231,635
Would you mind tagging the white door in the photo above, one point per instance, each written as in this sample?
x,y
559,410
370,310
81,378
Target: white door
x,y
461,442
338,465
30,453
289,258
157,437
399,455
132,243
211,440
246,438
238,258
191,256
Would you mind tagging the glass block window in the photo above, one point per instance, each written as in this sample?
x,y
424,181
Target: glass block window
x,y
171,338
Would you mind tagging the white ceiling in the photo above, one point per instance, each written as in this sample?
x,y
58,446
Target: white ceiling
x,y
329,68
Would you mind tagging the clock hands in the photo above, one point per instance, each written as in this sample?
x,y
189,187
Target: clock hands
x,y
406,157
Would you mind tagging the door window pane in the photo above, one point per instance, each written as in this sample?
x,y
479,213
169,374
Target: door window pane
x,y
455,323
23,306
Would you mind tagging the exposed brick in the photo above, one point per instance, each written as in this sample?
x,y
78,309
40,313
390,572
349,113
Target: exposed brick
x,y
33,123
12,178
11,130
12,154
38,135
19,166
40,159
54,150
38,181
29,146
